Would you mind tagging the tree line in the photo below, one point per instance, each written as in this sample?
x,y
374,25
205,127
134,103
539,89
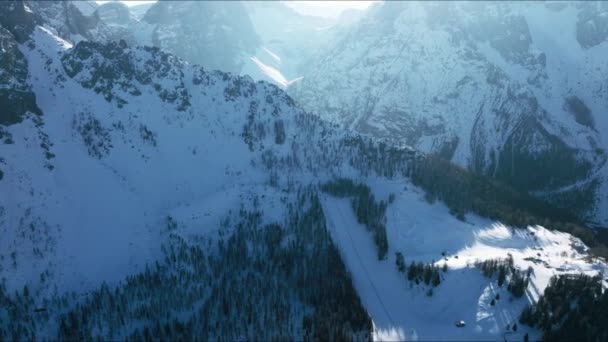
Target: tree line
x,y
258,281
418,272
517,281
572,308
368,212
463,191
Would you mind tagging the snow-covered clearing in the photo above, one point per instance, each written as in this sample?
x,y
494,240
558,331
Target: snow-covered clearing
x,y
422,232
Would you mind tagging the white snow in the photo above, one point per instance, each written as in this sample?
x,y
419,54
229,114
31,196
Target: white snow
x,y
102,219
273,55
273,74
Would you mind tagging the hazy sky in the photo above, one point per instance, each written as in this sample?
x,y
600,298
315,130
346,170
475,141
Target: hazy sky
x,y
319,8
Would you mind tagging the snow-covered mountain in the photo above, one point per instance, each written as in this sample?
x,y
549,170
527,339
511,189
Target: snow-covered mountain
x,y
512,90
265,40
72,20
115,14
144,196
116,151
216,34
289,40
113,153
139,10
104,117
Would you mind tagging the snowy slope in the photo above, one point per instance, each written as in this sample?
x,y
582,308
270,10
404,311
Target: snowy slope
x,y
422,232
125,136
96,135
288,40
291,40
500,88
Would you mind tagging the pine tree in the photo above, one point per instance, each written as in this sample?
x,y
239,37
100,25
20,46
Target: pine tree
x,y
400,262
502,275
436,279
411,272
428,274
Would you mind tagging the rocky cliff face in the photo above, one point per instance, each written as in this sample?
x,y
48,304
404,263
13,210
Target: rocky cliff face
x,y
16,96
511,90
218,35
72,20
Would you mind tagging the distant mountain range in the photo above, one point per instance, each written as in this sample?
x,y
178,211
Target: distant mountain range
x,y
512,90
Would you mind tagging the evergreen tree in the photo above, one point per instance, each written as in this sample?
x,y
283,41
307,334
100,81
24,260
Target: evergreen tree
x,y
428,274
412,272
502,275
436,279
400,262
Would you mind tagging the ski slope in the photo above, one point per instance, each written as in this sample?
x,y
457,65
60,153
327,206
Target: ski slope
x,y
422,232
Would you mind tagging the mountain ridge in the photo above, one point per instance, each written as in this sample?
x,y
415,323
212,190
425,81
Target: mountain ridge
x,y
475,91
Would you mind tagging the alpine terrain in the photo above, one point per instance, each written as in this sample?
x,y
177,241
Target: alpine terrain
x,y
151,189
511,90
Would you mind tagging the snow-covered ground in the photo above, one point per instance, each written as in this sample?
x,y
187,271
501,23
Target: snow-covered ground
x,y
422,232
269,72
94,219
204,218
